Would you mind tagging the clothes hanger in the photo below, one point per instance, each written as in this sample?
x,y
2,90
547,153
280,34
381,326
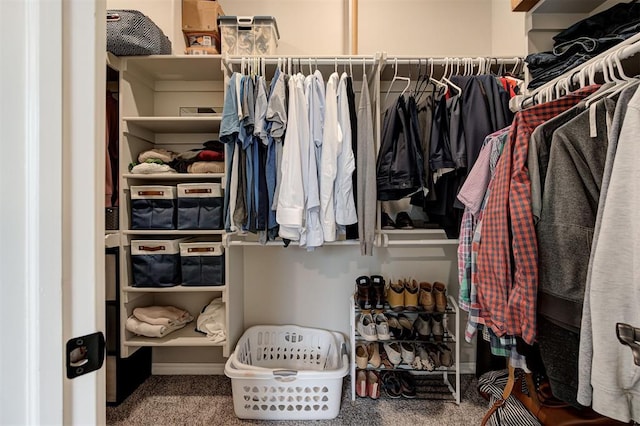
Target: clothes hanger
x,y
446,80
396,77
609,77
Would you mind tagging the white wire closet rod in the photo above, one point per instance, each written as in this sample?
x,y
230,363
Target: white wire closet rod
x,y
442,61
622,50
320,60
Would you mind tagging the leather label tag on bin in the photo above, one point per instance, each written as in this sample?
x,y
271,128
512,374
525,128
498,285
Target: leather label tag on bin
x,y
198,191
148,248
201,249
150,192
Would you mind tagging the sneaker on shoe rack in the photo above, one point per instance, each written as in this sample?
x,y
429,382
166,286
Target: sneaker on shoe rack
x,y
382,327
437,328
395,329
362,355
408,352
366,327
393,351
407,327
374,355
361,383
373,384
434,354
422,326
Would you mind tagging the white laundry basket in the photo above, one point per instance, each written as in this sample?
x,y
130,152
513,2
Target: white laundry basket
x,y
287,373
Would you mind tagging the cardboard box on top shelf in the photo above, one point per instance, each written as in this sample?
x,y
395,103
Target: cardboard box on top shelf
x,y
200,15
202,42
200,26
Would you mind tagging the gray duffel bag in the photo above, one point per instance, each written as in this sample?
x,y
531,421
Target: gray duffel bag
x,y
131,33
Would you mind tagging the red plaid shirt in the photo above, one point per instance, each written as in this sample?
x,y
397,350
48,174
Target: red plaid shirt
x,y
508,253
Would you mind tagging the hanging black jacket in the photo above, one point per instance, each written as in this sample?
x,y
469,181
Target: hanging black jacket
x,y
400,165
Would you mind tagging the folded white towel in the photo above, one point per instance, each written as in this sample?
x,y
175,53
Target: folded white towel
x,y
162,315
150,330
211,321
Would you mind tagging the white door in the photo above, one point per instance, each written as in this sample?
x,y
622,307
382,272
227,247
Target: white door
x,y
52,75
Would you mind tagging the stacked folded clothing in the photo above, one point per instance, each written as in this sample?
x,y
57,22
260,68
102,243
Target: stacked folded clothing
x,y
584,40
157,321
209,159
211,321
154,161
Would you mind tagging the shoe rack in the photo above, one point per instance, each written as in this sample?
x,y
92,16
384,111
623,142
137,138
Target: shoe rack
x,y
428,381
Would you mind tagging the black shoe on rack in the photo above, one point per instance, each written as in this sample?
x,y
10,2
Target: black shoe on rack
x,y
377,292
363,292
386,221
403,221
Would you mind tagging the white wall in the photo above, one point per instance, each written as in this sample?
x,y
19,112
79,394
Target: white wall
x,y
399,27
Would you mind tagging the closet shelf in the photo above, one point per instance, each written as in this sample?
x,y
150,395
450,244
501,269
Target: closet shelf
x,y
176,289
186,336
174,232
173,176
567,6
209,124
177,67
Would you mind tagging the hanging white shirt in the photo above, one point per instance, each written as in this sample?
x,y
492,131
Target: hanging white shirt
x,y
331,147
345,205
311,235
291,200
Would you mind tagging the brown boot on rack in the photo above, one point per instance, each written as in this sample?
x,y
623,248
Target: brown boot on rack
x,y
377,292
363,292
411,290
395,295
426,299
440,296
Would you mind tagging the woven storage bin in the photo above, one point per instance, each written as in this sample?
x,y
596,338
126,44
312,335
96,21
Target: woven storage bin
x,y
200,206
202,263
156,263
153,207
287,373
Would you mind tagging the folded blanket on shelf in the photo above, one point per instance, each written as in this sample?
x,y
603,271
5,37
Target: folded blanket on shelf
x,y
211,321
141,328
156,154
208,155
162,315
206,167
151,168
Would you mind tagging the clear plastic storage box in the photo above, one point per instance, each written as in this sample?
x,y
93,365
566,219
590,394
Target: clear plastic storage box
x,y
248,35
287,372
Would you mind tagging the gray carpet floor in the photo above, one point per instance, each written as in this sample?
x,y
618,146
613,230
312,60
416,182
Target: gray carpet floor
x,y
207,400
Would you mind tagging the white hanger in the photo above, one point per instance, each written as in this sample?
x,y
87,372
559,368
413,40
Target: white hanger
x,y
628,81
446,80
396,77
350,68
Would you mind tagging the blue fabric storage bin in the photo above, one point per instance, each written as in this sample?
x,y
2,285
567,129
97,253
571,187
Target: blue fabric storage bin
x,y
156,263
200,206
153,207
202,263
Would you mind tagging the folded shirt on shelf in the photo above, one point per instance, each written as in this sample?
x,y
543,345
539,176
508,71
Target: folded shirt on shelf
x,y
206,167
157,154
151,168
211,321
162,315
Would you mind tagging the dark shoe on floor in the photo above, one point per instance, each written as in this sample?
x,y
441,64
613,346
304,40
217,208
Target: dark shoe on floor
x,y
403,221
407,385
386,221
391,385
363,294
